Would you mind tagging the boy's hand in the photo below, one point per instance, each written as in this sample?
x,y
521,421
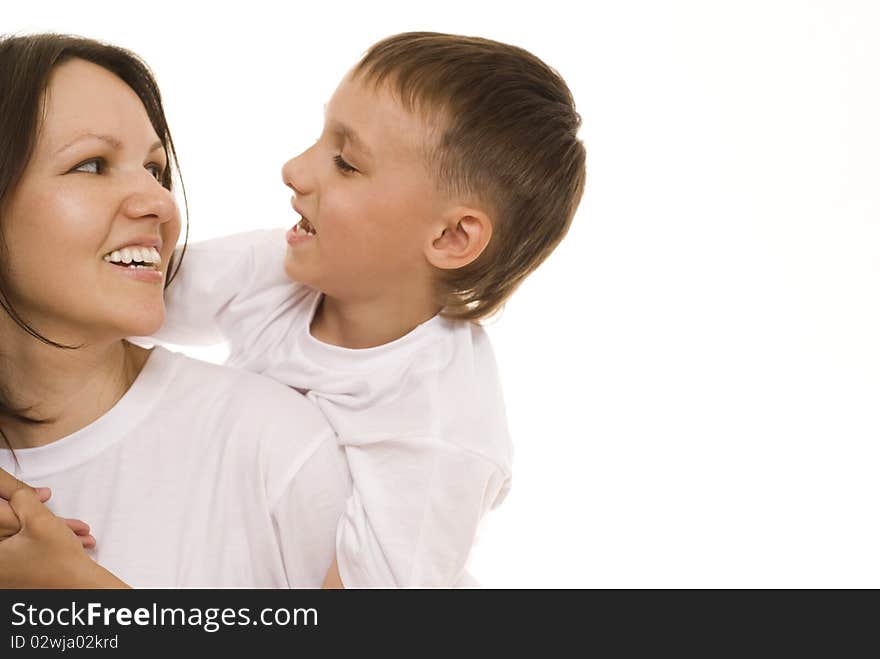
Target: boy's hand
x,y
9,525
45,553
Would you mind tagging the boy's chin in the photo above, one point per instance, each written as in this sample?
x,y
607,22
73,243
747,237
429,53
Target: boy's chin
x,y
295,271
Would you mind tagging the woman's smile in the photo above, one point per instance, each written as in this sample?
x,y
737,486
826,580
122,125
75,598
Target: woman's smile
x,y
141,262
140,272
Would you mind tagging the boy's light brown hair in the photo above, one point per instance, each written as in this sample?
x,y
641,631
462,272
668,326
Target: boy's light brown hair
x,y
506,135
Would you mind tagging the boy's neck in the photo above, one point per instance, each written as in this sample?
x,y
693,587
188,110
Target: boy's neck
x,y
368,323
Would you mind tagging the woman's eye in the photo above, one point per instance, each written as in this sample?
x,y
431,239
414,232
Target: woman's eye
x,y
157,170
92,166
342,165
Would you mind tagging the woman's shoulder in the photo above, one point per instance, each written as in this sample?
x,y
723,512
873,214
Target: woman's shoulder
x,y
235,399
250,423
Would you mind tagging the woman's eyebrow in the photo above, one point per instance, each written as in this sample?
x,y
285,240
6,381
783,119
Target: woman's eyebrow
x,y
109,139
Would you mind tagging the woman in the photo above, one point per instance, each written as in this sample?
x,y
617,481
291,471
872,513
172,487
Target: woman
x,y
188,473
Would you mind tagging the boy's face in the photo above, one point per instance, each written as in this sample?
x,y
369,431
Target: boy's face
x,y
365,190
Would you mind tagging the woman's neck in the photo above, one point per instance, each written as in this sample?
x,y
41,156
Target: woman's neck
x,y
69,388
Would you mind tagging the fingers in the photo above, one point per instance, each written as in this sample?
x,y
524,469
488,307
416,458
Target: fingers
x,y
83,532
9,524
8,520
77,526
27,506
27,503
9,484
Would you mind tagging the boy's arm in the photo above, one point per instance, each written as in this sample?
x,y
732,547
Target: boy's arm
x,y
426,466
307,512
413,515
333,581
219,292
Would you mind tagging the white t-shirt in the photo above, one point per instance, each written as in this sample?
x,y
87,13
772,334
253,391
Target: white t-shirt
x,y
200,476
422,418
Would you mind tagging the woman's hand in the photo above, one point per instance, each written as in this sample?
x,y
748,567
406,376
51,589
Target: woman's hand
x,y
9,521
45,553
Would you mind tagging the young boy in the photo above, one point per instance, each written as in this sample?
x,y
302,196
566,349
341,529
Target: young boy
x,y
449,168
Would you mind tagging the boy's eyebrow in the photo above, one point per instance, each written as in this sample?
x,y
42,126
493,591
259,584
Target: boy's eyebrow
x,y
109,139
350,135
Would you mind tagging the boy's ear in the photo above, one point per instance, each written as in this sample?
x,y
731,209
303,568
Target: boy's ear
x,y
459,238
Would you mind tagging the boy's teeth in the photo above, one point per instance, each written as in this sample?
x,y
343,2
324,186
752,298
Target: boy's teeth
x,y
305,227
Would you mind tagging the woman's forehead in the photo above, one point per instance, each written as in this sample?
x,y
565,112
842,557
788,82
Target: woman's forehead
x,y
84,98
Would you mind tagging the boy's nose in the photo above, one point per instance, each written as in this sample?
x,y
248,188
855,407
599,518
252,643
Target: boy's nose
x,y
293,176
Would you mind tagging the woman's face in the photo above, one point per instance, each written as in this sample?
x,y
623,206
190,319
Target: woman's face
x,y
89,197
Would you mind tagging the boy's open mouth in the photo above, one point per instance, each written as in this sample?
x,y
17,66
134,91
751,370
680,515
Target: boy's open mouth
x,y
304,227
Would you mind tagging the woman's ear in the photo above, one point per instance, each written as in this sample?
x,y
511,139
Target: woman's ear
x,y
459,238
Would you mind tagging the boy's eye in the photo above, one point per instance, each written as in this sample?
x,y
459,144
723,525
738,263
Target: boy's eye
x,y
342,165
91,166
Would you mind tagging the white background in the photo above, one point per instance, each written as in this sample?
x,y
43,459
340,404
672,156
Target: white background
x,y
693,378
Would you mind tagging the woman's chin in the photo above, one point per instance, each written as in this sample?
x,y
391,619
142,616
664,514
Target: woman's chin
x,y
145,324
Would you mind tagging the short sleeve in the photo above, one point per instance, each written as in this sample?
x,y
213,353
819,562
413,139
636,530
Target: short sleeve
x,y
225,289
413,514
307,511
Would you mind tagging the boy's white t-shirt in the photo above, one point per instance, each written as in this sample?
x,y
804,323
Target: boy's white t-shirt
x,y
200,476
422,418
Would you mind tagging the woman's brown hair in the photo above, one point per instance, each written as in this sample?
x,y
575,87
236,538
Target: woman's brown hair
x,y
26,65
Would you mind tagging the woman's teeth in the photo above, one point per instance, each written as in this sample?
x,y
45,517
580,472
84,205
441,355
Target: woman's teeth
x,y
144,257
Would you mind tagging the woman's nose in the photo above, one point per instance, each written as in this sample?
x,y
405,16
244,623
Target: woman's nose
x,y
150,201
